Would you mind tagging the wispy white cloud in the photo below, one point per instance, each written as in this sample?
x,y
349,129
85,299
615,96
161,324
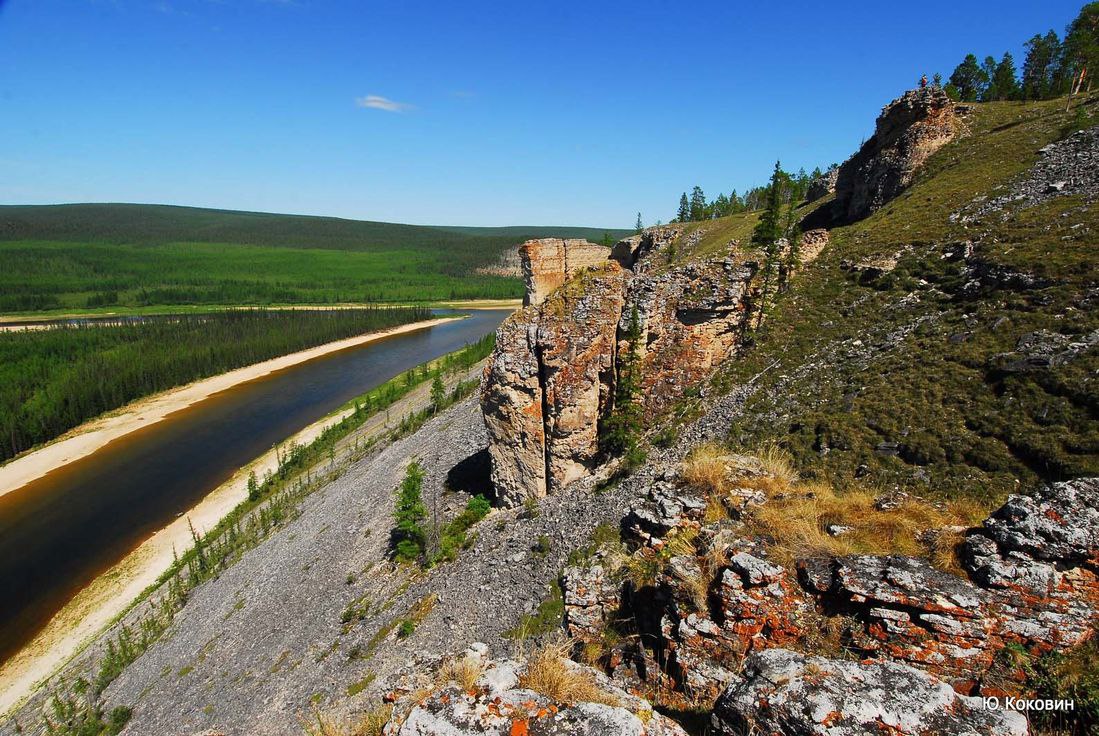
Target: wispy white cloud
x,y
377,102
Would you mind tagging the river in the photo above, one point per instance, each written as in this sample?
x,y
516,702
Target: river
x,y
58,533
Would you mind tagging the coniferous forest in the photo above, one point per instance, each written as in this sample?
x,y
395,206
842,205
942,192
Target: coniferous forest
x,y
52,380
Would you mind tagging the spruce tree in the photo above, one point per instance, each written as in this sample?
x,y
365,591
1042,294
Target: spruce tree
x,y
684,214
438,393
698,204
409,536
1004,85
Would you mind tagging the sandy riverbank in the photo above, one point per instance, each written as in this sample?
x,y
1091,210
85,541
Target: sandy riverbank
x,y
91,436
82,618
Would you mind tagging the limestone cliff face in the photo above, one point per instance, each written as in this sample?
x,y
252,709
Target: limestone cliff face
x,y
576,336
908,131
548,383
691,318
551,379
547,263
511,401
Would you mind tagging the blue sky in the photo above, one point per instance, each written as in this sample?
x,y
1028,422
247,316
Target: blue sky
x,y
472,113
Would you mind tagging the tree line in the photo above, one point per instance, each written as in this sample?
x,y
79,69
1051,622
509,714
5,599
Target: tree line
x,y
53,380
1054,66
793,189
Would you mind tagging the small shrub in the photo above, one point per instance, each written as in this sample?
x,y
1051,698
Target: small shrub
x,y
542,547
406,629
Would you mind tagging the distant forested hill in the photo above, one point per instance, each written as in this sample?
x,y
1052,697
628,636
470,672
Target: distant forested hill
x,y
129,255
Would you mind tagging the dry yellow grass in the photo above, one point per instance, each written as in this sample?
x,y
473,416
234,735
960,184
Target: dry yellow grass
x,y
778,465
370,723
798,522
550,673
464,671
705,468
797,514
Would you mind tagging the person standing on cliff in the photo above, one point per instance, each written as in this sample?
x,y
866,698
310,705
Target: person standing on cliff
x,y
923,82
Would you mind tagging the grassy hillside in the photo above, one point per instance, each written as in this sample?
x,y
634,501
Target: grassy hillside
x,y
900,379
104,255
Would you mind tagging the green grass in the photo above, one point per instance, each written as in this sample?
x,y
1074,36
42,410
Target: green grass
x,y
964,427
120,255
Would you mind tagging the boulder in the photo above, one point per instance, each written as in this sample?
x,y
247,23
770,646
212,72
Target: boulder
x,y
784,692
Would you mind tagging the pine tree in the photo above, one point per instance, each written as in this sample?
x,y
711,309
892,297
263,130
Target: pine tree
x,y
988,69
639,226
1040,66
969,79
684,214
409,537
1081,48
778,222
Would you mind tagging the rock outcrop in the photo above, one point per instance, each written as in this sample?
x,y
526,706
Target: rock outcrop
x,y
548,263
692,318
784,692
549,382
552,376
502,702
1033,587
908,131
822,186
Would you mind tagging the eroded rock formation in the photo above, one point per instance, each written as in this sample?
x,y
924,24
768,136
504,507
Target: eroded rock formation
x,y
548,383
548,263
552,376
908,131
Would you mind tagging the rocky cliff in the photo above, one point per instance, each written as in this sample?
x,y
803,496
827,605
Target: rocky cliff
x,y
547,263
908,131
552,376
